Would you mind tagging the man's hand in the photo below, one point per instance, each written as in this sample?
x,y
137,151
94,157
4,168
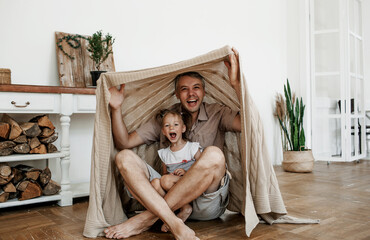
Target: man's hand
x,y
179,172
233,67
117,96
234,72
234,76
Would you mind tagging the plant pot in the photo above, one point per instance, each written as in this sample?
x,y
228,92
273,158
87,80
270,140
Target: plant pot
x,y
298,161
95,76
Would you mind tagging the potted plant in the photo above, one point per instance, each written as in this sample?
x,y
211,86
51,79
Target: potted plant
x,y
290,112
100,47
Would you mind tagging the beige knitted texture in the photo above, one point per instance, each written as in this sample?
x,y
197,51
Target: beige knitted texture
x,y
253,179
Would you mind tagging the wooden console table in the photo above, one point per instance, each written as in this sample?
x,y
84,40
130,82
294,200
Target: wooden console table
x,y
64,101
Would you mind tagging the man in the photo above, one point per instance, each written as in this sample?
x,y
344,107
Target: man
x,y
205,180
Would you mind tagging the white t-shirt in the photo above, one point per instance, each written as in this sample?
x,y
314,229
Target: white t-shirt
x,y
183,158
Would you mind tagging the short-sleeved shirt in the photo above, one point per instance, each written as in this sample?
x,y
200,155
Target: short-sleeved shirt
x,y
182,158
209,128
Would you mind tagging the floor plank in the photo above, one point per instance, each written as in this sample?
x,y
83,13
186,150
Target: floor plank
x,y
338,194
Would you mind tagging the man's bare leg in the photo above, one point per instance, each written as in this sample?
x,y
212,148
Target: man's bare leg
x,y
166,183
184,214
204,176
136,175
169,181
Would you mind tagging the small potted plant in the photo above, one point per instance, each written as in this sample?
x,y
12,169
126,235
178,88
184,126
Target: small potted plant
x,y
100,47
290,112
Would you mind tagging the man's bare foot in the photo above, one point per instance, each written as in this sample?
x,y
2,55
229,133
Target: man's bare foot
x,y
184,213
181,231
133,226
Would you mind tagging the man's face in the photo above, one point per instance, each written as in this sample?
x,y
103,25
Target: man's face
x,y
190,92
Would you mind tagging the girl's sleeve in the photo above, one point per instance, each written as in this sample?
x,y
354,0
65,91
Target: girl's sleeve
x,y
195,146
160,154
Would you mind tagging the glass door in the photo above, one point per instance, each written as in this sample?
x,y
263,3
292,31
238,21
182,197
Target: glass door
x,y
338,118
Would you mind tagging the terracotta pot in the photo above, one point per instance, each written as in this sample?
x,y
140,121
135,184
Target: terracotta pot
x,y
298,161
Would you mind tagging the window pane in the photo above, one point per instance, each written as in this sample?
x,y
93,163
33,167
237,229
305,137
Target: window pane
x,y
327,140
326,14
351,15
358,17
328,86
352,54
359,58
359,95
327,58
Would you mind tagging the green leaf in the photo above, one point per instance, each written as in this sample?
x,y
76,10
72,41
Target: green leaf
x,y
302,139
288,88
293,124
100,47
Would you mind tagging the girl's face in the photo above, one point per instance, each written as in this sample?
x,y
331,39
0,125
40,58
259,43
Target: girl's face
x,y
173,127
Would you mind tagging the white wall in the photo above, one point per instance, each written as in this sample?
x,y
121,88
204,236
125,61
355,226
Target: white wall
x,y
298,57
148,34
293,47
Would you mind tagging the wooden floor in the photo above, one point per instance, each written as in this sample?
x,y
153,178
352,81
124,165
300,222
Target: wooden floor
x,y
338,194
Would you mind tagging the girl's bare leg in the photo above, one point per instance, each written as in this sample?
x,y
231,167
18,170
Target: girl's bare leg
x,y
156,183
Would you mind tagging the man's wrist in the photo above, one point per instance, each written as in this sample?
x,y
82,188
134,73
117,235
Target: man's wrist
x,y
236,85
116,109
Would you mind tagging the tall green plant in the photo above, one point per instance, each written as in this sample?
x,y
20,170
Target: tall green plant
x,y
100,47
291,122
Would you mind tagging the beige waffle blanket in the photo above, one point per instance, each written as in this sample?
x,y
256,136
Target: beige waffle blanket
x,y
253,189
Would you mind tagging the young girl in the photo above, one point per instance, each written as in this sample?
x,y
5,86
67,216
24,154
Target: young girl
x,y
177,158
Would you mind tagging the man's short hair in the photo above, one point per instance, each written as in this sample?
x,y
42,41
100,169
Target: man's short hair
x,y
190,74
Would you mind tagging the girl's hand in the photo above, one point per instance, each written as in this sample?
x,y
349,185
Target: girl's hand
x,y
117,96
179,172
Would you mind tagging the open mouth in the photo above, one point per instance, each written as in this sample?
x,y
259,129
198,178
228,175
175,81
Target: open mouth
x,y
192,103
173,135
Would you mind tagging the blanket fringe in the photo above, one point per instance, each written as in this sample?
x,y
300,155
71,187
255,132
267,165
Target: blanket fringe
x,y
293,220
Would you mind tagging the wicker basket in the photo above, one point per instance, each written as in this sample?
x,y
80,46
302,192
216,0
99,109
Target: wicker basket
x,y
5,76
298,161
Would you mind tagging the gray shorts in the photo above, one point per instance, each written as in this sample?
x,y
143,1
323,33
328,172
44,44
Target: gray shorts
x,y
208,205
152,175
212,205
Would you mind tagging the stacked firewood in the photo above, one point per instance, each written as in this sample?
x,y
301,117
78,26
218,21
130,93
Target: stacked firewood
x,y
34,136
25,182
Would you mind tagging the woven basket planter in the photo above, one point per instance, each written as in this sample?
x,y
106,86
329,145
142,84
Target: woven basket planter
x,y
298,161
4,76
